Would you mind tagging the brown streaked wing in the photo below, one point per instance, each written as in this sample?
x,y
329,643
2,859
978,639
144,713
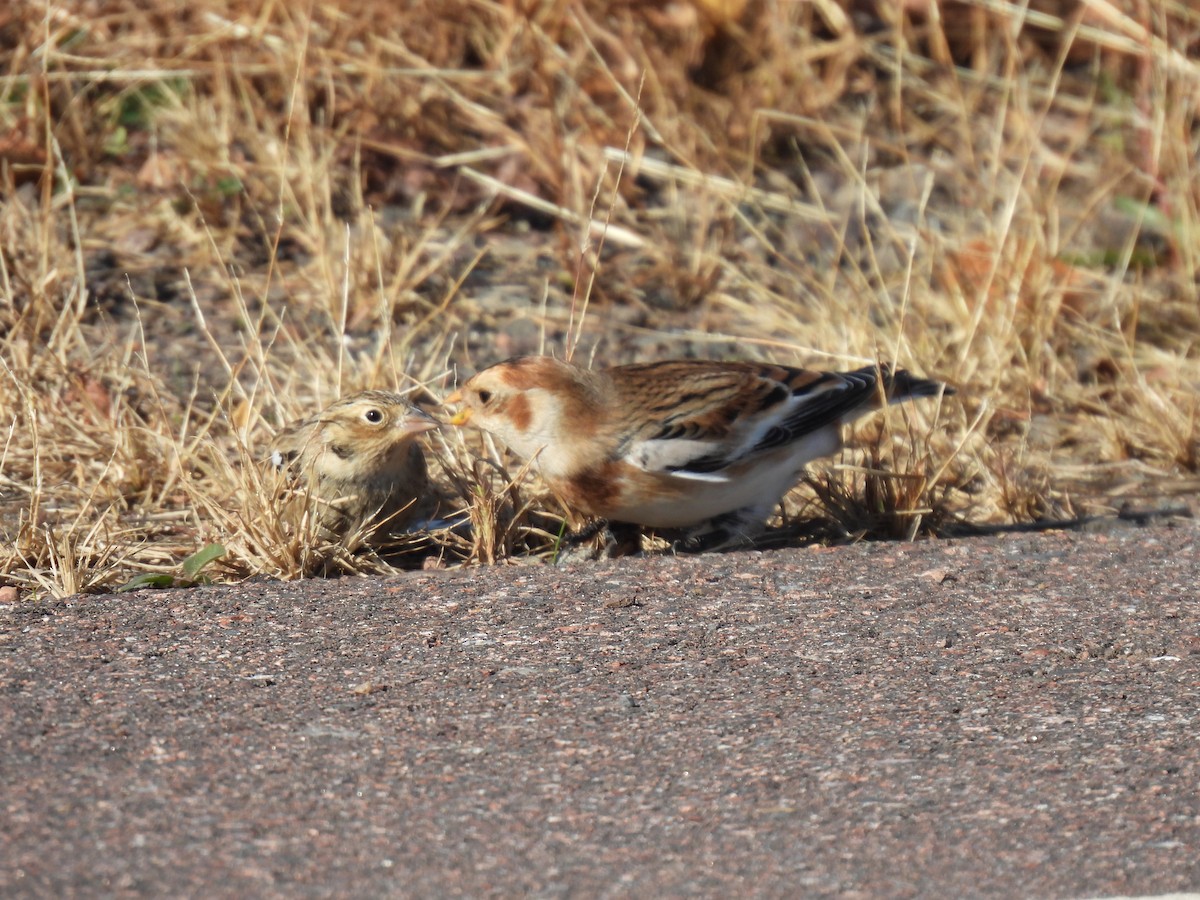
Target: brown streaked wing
x,y
842,394
697,399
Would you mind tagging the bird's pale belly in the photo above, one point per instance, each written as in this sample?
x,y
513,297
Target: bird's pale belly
x,y
663,500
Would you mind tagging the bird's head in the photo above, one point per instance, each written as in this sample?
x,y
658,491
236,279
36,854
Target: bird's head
x,y
370,428
531,403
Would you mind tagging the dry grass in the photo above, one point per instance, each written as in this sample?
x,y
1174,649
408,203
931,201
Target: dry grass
x,y
217,221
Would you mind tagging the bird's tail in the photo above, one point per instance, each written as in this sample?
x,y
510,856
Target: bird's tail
x,y
901,385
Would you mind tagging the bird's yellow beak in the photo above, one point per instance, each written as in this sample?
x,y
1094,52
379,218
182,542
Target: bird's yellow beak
x,y
463,416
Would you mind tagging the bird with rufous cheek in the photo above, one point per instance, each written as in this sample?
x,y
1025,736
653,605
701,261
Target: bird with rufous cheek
x,y
706,448
360,464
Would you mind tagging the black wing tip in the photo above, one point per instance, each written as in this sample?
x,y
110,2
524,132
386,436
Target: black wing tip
x,y
904,384
900,384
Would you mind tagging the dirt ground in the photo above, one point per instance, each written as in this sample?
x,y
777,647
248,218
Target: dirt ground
x,y
1006,716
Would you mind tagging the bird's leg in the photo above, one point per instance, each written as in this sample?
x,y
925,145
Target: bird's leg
x,y
586,533
728,531
616,539
621,539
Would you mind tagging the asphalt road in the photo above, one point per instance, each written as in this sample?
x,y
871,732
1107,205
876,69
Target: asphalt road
x,y
1004,717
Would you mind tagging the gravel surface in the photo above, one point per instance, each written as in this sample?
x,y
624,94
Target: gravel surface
x,y
1014,716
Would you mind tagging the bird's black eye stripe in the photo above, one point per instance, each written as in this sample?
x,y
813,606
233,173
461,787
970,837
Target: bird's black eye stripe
x,y
373,416
485,396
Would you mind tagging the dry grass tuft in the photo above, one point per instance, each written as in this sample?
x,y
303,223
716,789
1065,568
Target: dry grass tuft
x,y
218,219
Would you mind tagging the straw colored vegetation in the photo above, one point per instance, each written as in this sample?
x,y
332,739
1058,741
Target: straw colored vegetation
x,y
218,217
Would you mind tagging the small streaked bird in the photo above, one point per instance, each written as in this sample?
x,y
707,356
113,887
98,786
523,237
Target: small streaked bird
x,y
706,447
360,462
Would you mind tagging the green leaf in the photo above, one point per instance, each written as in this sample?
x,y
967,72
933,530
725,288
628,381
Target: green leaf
x,y
147,580
228,187
201,558
117,142
1151,215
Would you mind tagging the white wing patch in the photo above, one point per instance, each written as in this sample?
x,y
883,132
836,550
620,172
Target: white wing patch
x,y
671,457
710,477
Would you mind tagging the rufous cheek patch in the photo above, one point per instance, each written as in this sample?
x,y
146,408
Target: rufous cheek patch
x,y
518,412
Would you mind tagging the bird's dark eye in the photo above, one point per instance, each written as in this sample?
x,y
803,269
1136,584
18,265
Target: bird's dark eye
x,y
373,416
485,397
